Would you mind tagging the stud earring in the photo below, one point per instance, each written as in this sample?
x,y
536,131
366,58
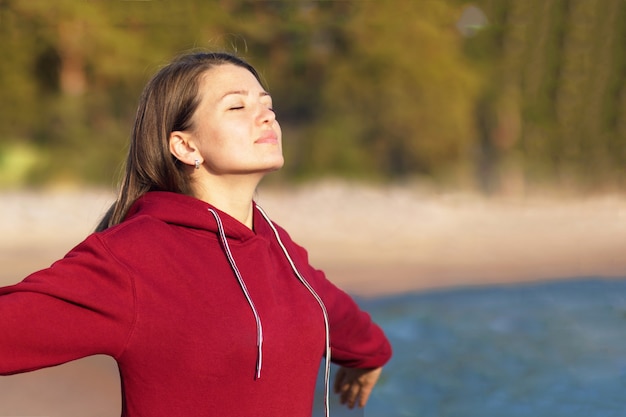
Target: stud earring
x,y
197,164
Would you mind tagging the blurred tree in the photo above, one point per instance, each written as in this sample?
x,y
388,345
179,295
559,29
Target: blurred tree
x,y
397,96
534,91
58,47
77,70
551,111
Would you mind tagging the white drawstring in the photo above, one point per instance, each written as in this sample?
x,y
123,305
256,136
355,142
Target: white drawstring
x,y
321,304
233,265
259,327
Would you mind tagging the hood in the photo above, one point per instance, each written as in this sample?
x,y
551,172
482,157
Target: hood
x,y
183,210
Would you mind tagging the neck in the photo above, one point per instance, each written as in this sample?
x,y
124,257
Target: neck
x,y
232,195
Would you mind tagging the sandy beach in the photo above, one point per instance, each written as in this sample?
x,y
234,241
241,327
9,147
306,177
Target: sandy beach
x,y
373,241
370,241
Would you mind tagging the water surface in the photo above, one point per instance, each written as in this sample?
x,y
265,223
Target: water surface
x,y
535,350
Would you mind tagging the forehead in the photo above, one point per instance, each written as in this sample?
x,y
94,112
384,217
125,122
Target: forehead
x,y
227,77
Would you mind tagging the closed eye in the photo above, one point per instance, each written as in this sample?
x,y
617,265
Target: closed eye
x,y
236,108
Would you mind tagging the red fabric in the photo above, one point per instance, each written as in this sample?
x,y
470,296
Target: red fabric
x,y
157,294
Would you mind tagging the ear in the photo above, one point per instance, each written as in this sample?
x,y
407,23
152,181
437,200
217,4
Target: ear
x,y
183,148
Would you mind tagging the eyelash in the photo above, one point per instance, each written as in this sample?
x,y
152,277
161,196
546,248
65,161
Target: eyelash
x,y
241,107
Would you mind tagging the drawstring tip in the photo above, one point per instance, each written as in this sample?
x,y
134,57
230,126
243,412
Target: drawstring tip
x,y
259,362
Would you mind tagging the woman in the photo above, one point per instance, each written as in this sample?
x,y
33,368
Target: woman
x,y
208,307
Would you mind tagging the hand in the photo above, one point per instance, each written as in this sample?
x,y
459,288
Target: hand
x,y
354,384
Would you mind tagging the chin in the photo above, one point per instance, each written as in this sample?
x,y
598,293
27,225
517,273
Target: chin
x,y
274,168
277,164
266,165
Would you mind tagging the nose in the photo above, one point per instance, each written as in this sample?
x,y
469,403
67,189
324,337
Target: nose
x,y
266,115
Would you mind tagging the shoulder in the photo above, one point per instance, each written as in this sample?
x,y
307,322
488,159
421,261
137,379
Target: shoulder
x,y
137,225
138,231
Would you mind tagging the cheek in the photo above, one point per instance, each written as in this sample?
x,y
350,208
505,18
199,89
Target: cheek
x,y
214,139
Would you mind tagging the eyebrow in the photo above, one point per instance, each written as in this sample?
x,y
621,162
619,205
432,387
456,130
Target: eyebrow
x,y
244,93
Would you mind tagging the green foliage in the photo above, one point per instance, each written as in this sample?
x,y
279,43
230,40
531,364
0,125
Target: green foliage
x,y
403,92
557,70
375,89
16,162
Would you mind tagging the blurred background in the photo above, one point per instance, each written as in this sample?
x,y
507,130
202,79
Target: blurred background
x,y
458,166
494,95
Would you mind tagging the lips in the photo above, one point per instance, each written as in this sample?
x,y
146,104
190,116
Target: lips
x,y
268,137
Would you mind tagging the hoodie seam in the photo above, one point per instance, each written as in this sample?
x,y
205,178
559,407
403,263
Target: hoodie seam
x,y
133,286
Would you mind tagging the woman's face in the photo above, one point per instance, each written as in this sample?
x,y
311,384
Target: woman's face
x,y
234,126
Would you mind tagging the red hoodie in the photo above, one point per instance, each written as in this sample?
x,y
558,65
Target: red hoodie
x,y
199,326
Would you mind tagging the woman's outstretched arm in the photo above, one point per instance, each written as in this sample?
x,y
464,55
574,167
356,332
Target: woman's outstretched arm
x,y
82,305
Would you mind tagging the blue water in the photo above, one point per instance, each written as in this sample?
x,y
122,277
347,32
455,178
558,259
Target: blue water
x,y
541,350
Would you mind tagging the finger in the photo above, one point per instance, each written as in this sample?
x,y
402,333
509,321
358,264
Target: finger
x,y
351,394
344,393
341,373
365,395
368,381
